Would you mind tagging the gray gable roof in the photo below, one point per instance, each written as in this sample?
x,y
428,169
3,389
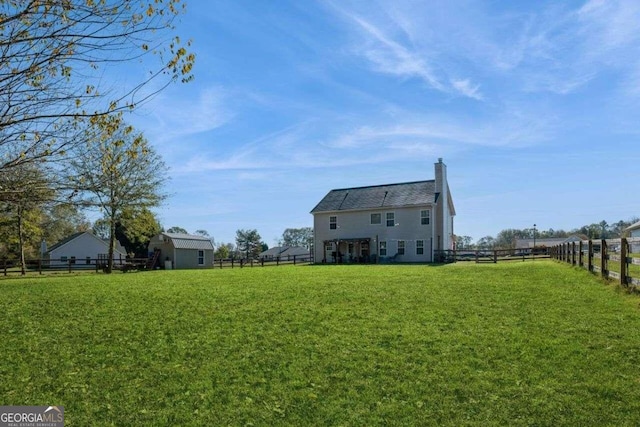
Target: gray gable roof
x,y
65,241
633,226
378,196
189,241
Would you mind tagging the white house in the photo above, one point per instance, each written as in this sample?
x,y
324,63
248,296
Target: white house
x,y
182,251
285,253
405,222
83,248
634,232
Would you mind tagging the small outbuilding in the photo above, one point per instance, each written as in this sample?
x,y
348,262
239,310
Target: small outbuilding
x,y
182,251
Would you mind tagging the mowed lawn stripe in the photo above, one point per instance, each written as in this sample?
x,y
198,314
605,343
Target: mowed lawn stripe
x,y
535,343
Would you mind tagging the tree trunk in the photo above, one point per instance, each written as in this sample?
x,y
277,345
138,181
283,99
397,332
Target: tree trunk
x,y
23,268
112,238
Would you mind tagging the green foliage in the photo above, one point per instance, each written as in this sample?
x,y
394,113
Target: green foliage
x,y
134,229
508,344
51,51
222,252
249,243
118,171
177,230
302,237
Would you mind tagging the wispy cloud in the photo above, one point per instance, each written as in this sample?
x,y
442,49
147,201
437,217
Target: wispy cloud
x,y
390,54
171,117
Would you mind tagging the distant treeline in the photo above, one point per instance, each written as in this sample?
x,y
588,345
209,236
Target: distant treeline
x,y
506,238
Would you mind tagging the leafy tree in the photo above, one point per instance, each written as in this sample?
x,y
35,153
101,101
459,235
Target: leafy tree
x,y
249,242
53,58
177,230
61,220
487,242
119,170
222,252
463,242
23,192
101,228
297,237
135,228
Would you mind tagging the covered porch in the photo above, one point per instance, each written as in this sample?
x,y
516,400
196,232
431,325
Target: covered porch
x,y
350,250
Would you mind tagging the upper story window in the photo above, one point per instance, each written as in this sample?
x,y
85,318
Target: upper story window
x,y
391,219
424,217
400,247
376,219
333,222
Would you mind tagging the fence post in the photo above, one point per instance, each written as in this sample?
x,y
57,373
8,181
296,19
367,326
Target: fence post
x,y
573,253
241,262
278,260
623,261
40,265
5,266
69,265
231,262
590,255
580,257
262,262
294,260
603,259
495,256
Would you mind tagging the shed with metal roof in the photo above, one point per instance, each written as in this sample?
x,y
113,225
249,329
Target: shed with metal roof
x,y
182,251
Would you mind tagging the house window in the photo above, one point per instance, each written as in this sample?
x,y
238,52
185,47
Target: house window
x,y
419,247
73,260
328,246
63,259
200,257
383,248
88,260
400,247
376,219
424,217
333,222
391,219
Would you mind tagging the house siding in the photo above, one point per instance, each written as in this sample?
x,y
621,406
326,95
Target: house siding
x,y
357,225
83,246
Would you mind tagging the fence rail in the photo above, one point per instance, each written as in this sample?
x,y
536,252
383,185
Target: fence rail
x,y
42,266
263,262
614,259
491,255
69,265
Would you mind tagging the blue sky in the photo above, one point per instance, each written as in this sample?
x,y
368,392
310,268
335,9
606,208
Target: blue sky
x,y
534,107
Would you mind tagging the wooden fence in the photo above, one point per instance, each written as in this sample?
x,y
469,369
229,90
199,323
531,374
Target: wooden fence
x,y
275,261
490,255
68,265
615,259
64,265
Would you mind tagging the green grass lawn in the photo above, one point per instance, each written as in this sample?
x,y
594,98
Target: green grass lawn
x,y
533,343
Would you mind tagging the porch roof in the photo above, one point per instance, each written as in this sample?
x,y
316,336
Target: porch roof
x,y
349,239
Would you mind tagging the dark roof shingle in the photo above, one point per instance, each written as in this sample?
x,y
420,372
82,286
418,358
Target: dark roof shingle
x,y
378,196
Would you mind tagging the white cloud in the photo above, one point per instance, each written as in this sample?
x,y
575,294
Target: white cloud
x,y
466,88
172,117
